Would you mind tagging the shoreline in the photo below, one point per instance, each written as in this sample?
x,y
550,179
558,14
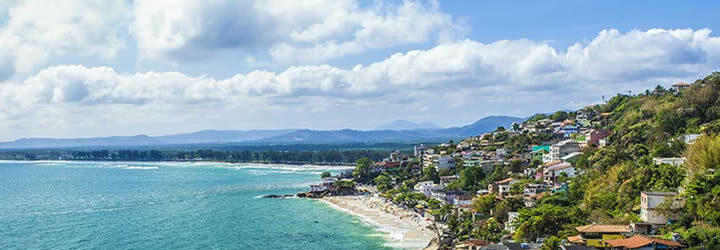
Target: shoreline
x,y
404,229
344,166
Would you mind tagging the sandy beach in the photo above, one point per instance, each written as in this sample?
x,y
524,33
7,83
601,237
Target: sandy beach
x,y
405,229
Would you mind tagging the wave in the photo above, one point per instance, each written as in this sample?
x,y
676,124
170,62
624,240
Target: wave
x,y
141,168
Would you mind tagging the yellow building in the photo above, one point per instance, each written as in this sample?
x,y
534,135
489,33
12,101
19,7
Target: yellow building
x,y
598,235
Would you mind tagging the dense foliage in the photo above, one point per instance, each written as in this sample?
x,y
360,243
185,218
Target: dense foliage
x,y
325,156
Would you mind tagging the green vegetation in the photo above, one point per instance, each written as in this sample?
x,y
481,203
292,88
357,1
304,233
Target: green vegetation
x,y
329,156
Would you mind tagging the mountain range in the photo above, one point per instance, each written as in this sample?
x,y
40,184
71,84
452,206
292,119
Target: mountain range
x,y
398,132
407,125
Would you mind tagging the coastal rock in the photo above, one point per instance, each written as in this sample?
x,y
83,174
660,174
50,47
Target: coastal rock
x,y
276,196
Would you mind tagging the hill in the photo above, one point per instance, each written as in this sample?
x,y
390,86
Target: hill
x,y
407,125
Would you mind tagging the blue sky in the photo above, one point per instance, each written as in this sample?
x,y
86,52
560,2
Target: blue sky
x,y
87,68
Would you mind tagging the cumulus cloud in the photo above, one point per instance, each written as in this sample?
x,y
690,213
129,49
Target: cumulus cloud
x,y
292,31
37,30
508,73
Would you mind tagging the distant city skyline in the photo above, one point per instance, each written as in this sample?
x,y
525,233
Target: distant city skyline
x,y
82,68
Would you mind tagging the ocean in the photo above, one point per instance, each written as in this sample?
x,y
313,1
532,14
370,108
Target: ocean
x,y
170,205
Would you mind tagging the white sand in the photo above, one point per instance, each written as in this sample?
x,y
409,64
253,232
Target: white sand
x,y
405,229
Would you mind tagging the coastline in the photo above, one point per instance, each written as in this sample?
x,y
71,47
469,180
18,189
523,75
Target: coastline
x,y
404,229
342,166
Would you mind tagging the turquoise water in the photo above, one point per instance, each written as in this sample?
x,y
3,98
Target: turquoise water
x,y
97,205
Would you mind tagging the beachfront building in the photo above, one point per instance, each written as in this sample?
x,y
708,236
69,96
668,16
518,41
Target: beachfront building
x,y
318,188
327,181
427,188
675,161
597,235
649,203
563,148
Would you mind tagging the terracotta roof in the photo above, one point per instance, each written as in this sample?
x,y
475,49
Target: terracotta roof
x,y
504,181
551,163
681,84
575,239
639,240
596,228
561,165
475,243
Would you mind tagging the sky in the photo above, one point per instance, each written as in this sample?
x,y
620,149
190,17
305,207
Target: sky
x,y
84,68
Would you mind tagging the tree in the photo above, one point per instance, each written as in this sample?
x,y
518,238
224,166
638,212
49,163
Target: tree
x,y
383,182
429,173
547,220
484,204
559,116
362,169
702,155
471,177
325,174
489,230
551,243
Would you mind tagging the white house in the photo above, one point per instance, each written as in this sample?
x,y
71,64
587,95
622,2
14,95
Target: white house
x,y
691,138
317,188
533,189
501,187
501,151
563,148
649,203
555,169
511,218
327,181
462,200
445,162
672,161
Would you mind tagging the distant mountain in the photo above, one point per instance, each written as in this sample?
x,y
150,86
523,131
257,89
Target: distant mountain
x,y
484,125
411,134
407,125
200,137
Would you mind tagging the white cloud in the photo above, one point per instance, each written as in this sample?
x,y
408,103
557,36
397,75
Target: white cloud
x,y
508,74
37,30
292,31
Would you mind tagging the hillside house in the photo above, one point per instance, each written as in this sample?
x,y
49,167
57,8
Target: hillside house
x,y
597,235
672,161
555,169
649,203
501,187
690,138
445,180
563,148
596,135
640,241
445,162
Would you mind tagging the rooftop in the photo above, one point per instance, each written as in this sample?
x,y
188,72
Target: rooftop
x,y
639,240
660,193
598,228
504,181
